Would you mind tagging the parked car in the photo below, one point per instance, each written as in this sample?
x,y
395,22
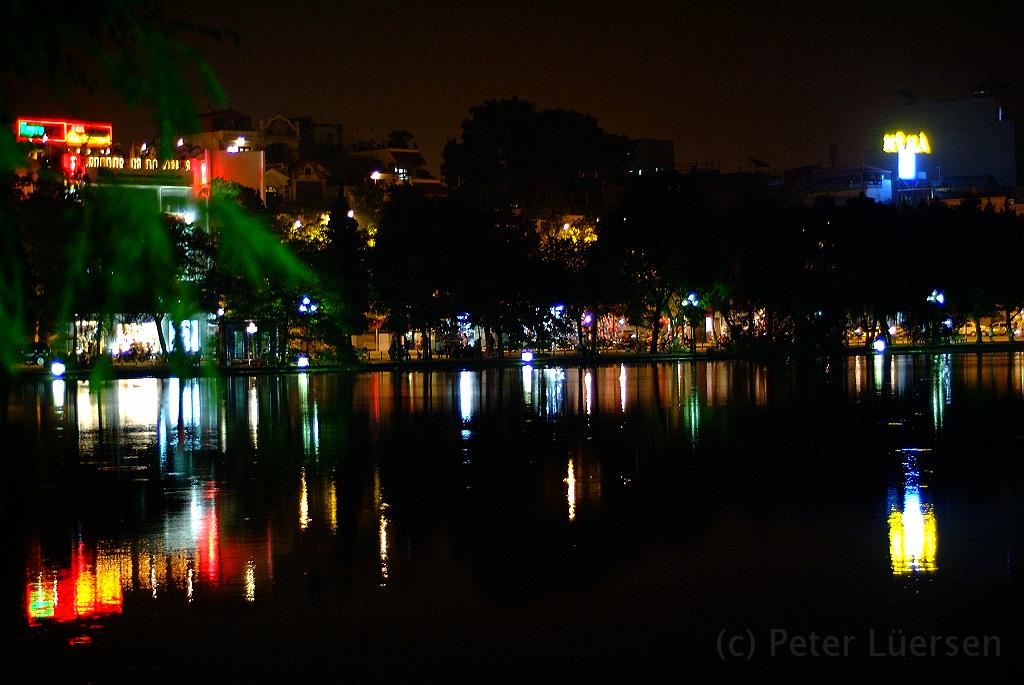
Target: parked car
x,y
35,353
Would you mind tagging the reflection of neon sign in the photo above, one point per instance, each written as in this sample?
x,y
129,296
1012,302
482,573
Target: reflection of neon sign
x,y
907,146
913,532
59,131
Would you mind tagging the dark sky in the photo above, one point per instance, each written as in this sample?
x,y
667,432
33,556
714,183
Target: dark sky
x,y
724,81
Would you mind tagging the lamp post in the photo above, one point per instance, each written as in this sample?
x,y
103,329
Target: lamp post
x,y
250,330
307,307
938,298
690,307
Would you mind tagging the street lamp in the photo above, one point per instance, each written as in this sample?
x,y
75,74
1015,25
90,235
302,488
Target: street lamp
x,y
307,306
251,331
690,305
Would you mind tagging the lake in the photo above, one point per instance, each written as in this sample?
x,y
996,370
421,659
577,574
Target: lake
x,y
616,522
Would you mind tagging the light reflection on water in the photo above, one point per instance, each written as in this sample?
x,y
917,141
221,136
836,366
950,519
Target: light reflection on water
x,y
404,482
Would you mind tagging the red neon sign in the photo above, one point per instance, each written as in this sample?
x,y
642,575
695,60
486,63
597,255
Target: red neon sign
x,y
62,131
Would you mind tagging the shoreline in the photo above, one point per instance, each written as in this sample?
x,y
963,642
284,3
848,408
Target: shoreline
x,y
539,361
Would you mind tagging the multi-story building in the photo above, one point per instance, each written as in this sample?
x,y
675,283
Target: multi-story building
x,y
945,149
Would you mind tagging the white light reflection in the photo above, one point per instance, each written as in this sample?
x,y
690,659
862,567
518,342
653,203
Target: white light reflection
x,y
466,395
588,386
254,413
622,387
303,501
59,388
570,490
528,385
554,389
942,389
879,372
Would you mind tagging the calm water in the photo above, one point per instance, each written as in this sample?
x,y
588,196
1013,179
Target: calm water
x,y
501,524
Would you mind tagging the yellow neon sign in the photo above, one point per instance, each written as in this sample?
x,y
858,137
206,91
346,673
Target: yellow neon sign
x,y
901,142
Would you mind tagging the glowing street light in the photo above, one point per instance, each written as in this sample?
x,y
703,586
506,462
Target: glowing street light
x,y
57,368
303,362
879,345
251,328
937,297
527,356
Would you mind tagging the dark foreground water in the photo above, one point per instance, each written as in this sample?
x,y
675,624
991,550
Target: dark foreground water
x,y
614,523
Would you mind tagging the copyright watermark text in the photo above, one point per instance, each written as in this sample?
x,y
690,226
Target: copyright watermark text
x,y
744,644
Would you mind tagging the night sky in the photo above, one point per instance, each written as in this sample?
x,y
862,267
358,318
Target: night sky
x,y
723,81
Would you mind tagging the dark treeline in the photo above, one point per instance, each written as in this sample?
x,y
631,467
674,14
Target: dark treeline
x,y
779,277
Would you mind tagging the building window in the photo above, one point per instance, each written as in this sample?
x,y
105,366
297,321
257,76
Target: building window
x,y
174,200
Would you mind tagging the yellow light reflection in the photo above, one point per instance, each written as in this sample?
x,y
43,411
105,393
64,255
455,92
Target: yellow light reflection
x,y
913,540
303,502
332,500
382,533
570,490
913,531
382,527
250,581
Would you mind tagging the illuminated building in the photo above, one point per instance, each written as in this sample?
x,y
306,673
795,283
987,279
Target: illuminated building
x,y
233,147
972,146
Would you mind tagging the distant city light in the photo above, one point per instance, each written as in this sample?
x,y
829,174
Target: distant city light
x,y
181,141
220,311
351,214
588,318
375,176
251,328
948,323
937,297
527,356
57,368
297,225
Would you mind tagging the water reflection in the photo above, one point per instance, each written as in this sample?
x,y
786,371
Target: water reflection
x,y
942,389
570,490
382,526
528,385
188,493
466,395
186,552
913,531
